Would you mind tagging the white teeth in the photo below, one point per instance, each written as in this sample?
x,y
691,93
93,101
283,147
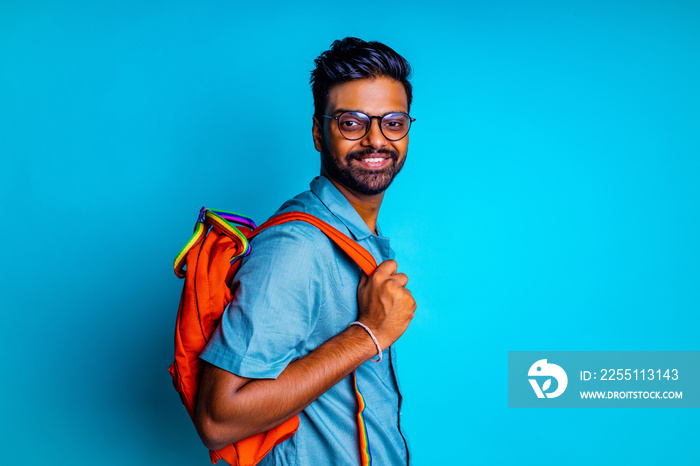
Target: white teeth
x,y
373,160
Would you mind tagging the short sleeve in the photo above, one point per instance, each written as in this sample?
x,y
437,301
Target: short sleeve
x,y
275,306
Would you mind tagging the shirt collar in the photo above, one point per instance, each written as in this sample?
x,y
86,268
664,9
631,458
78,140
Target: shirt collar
x,y
341,208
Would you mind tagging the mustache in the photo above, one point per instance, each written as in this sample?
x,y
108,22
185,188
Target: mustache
x,y
364,152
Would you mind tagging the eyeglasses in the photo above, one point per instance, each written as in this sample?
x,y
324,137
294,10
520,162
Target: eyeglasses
x,y
355,125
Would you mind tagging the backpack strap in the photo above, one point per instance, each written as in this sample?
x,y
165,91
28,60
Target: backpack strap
x,y
357,253
365,452
220,220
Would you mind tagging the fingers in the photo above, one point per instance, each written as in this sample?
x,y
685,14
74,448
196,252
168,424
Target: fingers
x,y
387,271
363,280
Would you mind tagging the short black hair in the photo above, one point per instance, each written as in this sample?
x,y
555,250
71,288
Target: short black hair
x,y
352,58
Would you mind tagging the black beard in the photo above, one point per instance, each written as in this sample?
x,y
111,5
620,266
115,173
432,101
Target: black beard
x,y
357,178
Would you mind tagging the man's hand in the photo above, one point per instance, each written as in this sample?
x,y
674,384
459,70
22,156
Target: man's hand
x,y
384,303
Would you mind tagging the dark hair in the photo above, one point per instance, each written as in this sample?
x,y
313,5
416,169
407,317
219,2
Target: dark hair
x,y
352,58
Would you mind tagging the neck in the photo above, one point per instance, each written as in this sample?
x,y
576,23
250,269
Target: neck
x,y
366,205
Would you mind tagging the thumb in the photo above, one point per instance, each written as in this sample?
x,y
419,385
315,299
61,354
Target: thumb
x,y
387,268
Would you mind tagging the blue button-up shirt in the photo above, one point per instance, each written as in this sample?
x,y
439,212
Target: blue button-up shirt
x,y
295,291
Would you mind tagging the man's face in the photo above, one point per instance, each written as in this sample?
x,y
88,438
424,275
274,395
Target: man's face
x,y
368,165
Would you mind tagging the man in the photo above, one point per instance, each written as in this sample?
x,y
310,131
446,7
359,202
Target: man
x,y
286,344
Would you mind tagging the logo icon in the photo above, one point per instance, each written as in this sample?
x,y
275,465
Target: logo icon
x,y
543,369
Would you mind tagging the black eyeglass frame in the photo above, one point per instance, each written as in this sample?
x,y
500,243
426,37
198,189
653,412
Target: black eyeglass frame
x,y
371,117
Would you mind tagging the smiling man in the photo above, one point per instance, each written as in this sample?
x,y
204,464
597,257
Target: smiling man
x,y
304,317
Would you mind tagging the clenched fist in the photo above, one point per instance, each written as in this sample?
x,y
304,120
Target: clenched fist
x,y
385,305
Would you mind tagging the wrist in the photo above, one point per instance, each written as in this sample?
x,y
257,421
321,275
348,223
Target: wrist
x,y
371,335
362,343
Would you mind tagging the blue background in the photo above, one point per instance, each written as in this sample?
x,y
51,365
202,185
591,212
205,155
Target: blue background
x,y
549,202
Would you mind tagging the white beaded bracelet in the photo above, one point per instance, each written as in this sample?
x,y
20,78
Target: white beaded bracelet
x,y
374,339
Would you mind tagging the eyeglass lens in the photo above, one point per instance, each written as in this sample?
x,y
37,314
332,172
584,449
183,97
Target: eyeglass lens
x,y
354,125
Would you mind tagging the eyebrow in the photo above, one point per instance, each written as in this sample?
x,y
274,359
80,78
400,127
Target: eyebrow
x,y
343,110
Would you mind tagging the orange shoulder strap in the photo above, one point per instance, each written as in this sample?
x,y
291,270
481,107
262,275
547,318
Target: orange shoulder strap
x,y
357,253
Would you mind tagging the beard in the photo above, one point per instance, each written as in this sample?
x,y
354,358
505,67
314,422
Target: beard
x,y
358,178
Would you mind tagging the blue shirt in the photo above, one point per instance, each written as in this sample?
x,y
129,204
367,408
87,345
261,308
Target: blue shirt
x,y
295,291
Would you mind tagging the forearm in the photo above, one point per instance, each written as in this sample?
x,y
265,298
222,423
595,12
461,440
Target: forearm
x,y
228,412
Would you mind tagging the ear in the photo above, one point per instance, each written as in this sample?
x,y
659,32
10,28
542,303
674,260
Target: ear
x,y
317,133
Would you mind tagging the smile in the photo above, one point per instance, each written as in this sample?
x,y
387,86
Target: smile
x,y
373,161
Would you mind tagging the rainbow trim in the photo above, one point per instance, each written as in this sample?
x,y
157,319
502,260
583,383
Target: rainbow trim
x,y
235,218
221,224
365,453
200,231
220,220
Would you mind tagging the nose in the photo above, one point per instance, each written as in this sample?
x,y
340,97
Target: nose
x,y
374,137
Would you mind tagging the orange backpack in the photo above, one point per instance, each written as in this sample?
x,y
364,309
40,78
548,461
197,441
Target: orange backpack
x,y
208,263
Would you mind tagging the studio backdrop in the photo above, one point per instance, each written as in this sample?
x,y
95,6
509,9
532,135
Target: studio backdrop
x,y
550,202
